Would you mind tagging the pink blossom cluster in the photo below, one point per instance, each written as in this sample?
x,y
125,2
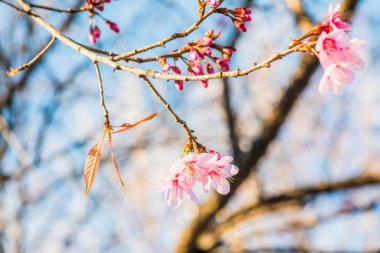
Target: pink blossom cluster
x,y
339,55
210,169
95,31
200,58
238,16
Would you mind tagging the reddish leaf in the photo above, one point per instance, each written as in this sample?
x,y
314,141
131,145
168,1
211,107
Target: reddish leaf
x,y
115,163
127,126
92,165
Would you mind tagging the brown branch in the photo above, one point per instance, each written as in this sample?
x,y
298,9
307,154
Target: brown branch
x,y
17,8
174,36
177,119
72,11
298,197
12,72
102,103
303,20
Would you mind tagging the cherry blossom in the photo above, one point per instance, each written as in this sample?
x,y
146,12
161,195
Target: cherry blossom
x,y
339,56
219,171
175,193
209,168
190,168
336,19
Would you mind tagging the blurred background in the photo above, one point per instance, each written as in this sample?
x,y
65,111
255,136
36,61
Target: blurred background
x,y
309,164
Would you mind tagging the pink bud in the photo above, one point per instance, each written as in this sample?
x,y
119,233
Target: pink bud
x,y
113,26
179,84
222,64
166,68
100,7
240,26
210,69
204,83
176,70
196,67
206,41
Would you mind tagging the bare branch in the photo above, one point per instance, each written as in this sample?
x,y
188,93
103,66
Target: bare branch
x,y
12,72
102,103
297,197
72,11
177,119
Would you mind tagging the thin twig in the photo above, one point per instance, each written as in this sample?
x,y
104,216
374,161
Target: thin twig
x,y
169,108
17,8
174,36
72,11
12,140
102,103
12,72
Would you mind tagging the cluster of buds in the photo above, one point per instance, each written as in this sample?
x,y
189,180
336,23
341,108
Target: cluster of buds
x,y
339,55
207,167
238,16
93,6
200,58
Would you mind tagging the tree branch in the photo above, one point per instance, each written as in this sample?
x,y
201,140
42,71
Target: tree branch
x,y
12,72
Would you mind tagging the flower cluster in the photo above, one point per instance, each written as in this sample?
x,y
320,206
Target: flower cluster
x,y
93,6
210,169
200,58
338,54
238,16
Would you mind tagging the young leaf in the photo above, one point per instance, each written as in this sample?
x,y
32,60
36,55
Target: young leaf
x,y
115,163
124,127
92,165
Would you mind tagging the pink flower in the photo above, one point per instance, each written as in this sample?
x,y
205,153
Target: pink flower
x,y
335,76
189,169
335,20
175,193
339,56
219,171
212,3
336,46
